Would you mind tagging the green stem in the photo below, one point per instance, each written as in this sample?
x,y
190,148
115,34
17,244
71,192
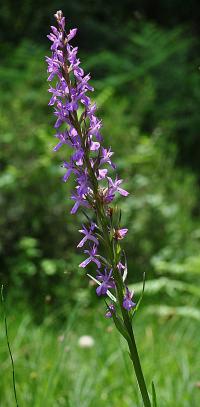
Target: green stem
x,y
133,350
131,341
117,277
138,369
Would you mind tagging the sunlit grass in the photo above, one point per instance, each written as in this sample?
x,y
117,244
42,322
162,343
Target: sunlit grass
x,y
53,370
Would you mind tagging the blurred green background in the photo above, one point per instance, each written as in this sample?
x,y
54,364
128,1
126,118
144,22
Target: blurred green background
x,y
144,60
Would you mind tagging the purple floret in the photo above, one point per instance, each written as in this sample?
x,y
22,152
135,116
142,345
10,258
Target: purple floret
x,y
88,235
128,304
110,311
107,282
92,257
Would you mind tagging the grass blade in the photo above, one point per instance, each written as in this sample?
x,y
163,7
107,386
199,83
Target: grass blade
x,y
154,399
9,348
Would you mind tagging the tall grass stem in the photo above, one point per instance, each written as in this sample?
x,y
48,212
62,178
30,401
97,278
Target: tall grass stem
x,y
8,344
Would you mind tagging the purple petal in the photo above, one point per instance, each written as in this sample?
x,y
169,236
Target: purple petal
x,y
94,146
67,175
71,34
128,304
56,148
102,174
85,262
82,242
97,262
123,191
111,310
75,208
93,239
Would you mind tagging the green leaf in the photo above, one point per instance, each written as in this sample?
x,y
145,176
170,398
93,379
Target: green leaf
x,y
154,398
167,285
120,326
166,311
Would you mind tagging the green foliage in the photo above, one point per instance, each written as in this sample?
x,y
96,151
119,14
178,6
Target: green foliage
x,y
157,72
52,369
139,96
148,91
100,22
35,231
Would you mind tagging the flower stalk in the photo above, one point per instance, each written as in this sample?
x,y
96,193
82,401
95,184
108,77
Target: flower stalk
x,y
78,127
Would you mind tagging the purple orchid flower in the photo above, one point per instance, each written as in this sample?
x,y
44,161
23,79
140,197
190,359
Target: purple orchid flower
x,y
114,187
80,201
60,19
119,234
120,266
92,253
71,168
128,304
94,145
91,109
63,137
95,125
102,174
107,282
71,34
110,311
83,187
105,157
53,68
88,235
78,157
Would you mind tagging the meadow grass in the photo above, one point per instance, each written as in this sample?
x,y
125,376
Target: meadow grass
x,y
53,370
